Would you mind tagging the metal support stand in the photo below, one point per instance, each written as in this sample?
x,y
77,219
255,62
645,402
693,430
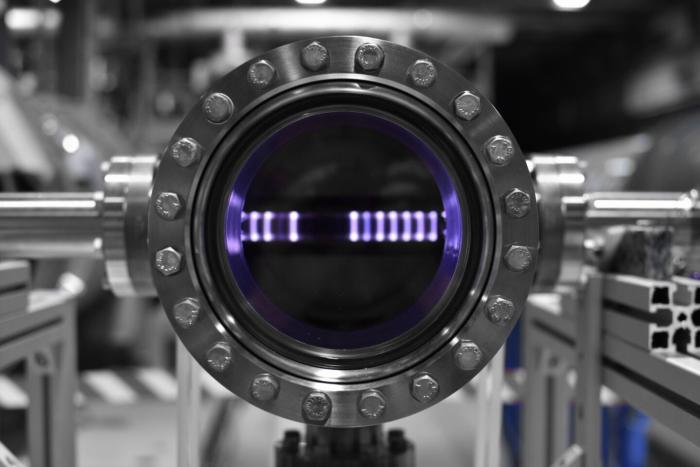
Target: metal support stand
x,y
487,451
345,447
43,336
608,338
589,366
188,408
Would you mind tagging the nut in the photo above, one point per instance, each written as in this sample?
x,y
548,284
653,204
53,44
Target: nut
x,y
168,205
168,261
369,57
264,387
467,105
518,258
218,107
219,356
423,73
467,355
186,312
500,310
424,388
500,150
517,203
317,407
261,74
314,57
371,404
186,151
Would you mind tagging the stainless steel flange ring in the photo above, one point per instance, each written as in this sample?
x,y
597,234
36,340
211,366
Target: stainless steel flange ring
x,y
268,248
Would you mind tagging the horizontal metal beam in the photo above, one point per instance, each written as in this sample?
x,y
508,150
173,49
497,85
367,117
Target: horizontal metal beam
x,y
446,23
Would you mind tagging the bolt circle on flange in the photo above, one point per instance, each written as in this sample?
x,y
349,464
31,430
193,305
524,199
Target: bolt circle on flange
x,y
168,261
264,387
168,205
369,57
518,258
500,310
467,355
219,356
315,57
218,107
467,105
380,73
423,73
317,407
424,388
371,404
186,151
186,312
517,203
261,74
500,150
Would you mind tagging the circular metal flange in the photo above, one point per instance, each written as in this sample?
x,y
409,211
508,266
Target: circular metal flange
x,y
325,395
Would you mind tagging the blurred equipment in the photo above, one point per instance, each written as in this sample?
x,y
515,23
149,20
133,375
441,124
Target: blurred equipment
x,y
37,331
343,232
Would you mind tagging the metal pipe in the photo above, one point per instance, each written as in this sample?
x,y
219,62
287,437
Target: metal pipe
x,y
50,225
605,209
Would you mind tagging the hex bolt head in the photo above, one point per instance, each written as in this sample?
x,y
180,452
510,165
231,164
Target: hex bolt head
x,y
168,261
186,151
314,56
517,203
467,106
467,355
518,258
186,312
424,388
371,404
219,356
500,310
261,74
422,73
369,57
218,107
317,407
264,388
500,150
168,205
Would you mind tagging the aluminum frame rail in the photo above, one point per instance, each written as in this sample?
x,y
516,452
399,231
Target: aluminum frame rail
x,y
604,334
42,334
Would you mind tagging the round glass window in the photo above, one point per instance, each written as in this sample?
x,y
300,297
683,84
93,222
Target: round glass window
x,y
343,229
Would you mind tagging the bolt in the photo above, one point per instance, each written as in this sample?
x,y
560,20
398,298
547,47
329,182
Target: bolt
x,y
467,105
500,150
467,355
517,203
264,388
423,73
219,356
424,388
314,56
518,258
261,74
500,310
369,57
372,404
317,407
168,205
218,107
168,261
186,152
186,312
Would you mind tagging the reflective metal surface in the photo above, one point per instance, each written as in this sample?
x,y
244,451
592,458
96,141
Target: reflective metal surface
x,y
418,369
